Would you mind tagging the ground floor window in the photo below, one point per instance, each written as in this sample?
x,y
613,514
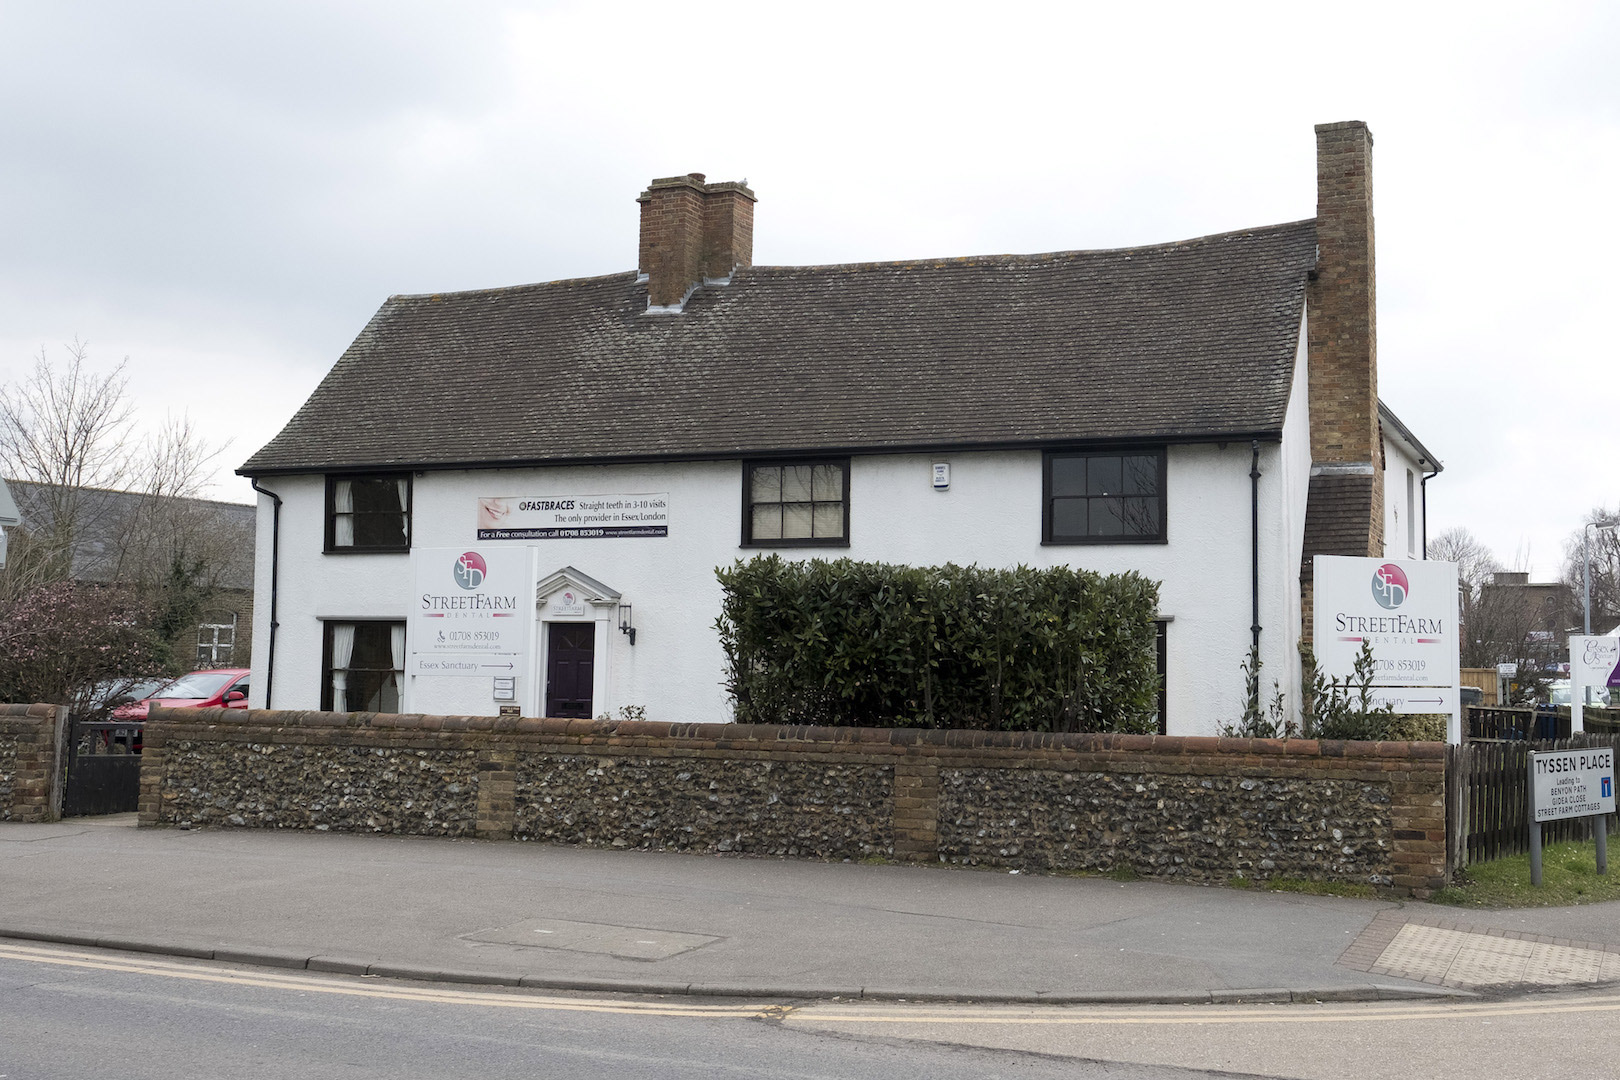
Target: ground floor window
x,y
363,666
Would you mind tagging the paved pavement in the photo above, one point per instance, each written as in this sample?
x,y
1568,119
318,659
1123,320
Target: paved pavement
x,y
568,918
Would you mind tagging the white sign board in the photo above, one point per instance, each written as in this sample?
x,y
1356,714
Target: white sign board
x,y
1594,661
471,611
1407,609
573,517
1572,783
1416,699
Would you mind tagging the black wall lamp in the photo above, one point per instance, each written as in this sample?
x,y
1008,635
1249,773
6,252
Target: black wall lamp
x,y
626,624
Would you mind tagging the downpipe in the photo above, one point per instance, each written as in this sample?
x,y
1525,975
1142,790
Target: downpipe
x,y
275,568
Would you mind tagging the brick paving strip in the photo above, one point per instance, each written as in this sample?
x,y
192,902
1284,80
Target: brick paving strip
x,y
1446,951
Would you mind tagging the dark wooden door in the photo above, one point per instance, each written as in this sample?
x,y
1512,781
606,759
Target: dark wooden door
x,y
570,664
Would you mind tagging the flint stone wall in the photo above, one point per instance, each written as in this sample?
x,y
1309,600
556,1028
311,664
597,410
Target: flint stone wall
x,y
1166,825
342,788
1191,808
817,809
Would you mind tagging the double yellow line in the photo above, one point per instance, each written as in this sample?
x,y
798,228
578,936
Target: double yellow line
x,y
827,1012
316,984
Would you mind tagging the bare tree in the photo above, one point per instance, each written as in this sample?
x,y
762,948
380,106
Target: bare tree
x,y
1475,562
1604,550
66,430
113,524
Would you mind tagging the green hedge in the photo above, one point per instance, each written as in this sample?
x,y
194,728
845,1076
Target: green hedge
x,y
876,645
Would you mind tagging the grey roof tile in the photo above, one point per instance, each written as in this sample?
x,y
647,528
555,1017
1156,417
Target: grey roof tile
x,y
1173,341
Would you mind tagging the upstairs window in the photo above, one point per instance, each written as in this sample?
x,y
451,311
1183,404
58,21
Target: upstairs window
x,y
1104,497
368,513
796,503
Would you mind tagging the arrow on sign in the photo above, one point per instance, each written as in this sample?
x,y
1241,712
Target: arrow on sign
x,y
1427,701
508,667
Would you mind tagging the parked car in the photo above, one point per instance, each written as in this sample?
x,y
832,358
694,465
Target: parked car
x,y
1558,693
200,689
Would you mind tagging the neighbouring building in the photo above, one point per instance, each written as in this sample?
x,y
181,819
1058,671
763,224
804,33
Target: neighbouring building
x,y
129,537
1205,412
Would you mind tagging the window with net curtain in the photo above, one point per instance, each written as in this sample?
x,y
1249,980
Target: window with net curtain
x,y
793,504
1104,497
368,513
364,668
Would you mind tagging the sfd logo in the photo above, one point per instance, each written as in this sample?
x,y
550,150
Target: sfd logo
x,y
470,570
1389,586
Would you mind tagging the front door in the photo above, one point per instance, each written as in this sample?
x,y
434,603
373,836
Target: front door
x,y
570,665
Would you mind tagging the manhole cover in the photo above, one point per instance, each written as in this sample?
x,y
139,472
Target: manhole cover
x,y
608,939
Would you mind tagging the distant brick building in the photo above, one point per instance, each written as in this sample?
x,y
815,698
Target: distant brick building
x,y
123,536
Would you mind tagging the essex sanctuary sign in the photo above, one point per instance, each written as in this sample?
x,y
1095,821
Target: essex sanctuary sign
x,y
1407,611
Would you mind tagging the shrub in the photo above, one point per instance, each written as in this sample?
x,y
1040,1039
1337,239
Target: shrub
x,y
872,644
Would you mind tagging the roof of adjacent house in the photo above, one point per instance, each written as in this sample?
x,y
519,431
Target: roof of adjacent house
x,y
114,532
1182,341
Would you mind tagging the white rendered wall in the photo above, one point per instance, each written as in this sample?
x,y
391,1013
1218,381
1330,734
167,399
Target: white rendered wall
x,y
991,515
1397,462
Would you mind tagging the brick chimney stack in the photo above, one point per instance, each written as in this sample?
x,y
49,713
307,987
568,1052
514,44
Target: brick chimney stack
x,y
692,231
1341,304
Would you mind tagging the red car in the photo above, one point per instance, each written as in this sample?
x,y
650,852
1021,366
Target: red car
x,y
215,686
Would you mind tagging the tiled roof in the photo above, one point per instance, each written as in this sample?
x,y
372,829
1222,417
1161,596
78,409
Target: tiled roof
x,y
1338,519
1175,341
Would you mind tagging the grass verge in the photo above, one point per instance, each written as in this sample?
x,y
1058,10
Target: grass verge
x,y
1568,876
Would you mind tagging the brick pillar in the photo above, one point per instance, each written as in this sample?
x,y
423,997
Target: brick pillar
x,y
916,811
497,794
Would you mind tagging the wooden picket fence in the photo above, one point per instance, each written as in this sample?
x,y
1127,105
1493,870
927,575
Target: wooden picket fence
x,y
1487,795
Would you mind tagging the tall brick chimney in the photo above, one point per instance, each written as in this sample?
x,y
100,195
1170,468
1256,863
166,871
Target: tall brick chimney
x,y
692,231
1341,305
1344,511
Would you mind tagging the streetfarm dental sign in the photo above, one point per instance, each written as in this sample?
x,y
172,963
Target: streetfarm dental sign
x,y
1407,611
471,611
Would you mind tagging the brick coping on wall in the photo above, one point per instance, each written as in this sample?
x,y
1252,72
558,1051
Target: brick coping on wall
x,y
856,738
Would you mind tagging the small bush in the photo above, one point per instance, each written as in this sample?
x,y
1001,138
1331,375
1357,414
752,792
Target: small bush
x,y
871,644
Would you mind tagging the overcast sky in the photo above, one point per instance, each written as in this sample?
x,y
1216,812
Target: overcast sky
x,y
225,192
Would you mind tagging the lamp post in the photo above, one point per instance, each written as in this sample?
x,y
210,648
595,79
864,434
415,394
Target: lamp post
x,y
1586,565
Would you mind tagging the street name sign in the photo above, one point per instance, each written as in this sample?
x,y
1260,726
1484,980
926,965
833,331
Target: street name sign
x,y
1572,783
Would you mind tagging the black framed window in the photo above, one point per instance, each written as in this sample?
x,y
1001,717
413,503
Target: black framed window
x,y
1103,496
362,666
796,503
368,512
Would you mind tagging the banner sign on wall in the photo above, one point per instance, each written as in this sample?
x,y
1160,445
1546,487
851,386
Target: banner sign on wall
x,y
572,517
1406,610
471,611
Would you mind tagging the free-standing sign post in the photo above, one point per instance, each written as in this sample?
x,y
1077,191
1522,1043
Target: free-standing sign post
x,y
1568,784
472,611
1593,661
1407,611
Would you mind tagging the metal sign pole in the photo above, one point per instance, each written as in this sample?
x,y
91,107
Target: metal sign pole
x,y
1602,822
1535,826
